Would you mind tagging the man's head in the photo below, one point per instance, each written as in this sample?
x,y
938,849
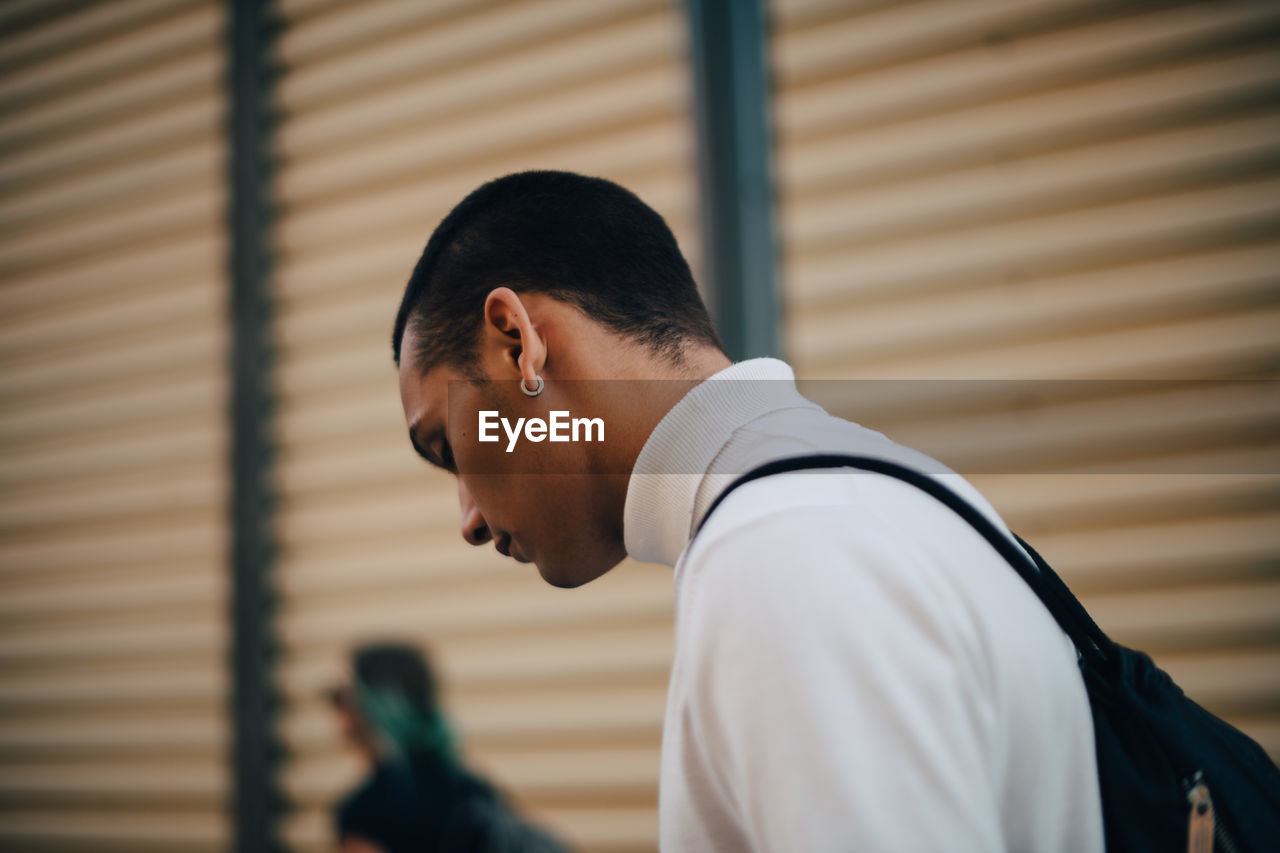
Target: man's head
x,y
586,241
563,277
389,700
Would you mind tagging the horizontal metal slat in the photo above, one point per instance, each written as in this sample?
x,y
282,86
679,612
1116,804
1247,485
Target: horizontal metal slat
x,y
319,27
585,774
488,34
204,733
987,73
140,48
1228,682
395,507
415,108
144,829
197,209
342,342
202,393
1168,286
65,458
1080,434
52,374
136,782
65,33
320,781
394,125
196,302
1198,348
141,690
590,109
1209,546
372,408
378,258
196,586
1018,188
534,659
107,280
1092,111
792,14
71,157
1263,727
613,829
311,325
101,194
113,499
523,604
1075,501
197,75
1089,238
69,643
296,11
904,32
378,262
179,543
1201,616
528,717
310,829
363,464
609,830
363,363
415,559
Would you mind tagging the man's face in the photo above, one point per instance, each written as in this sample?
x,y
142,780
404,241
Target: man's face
x,y
540,503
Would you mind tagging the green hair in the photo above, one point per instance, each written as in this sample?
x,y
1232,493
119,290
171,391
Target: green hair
x,y
404,728
397,697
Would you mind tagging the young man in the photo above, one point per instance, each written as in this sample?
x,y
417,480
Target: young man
x,y
856,668
417,796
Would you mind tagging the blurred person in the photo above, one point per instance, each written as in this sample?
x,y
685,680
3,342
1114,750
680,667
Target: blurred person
x,y
417,795
855,667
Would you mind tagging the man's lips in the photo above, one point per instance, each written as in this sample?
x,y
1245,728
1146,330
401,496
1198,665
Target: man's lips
x,y
503,545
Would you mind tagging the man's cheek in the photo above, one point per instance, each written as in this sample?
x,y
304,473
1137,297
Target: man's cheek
x,y
490,493
478,454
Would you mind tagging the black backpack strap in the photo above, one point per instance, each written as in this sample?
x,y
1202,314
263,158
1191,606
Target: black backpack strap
x,y
1067,611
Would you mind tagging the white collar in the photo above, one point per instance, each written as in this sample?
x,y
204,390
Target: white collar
x,y
658,516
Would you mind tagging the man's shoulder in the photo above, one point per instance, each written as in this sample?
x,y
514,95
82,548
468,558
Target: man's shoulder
x,y
828,538
766,502
812,539
361,808
829,508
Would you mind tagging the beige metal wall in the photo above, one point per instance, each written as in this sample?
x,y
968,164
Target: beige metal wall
x,y
112,447
392,111
1051,190
1037,189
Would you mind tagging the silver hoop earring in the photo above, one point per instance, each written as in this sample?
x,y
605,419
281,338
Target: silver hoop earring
x,y
536,390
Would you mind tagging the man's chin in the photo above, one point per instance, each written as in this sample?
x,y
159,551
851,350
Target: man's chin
x,y
574,574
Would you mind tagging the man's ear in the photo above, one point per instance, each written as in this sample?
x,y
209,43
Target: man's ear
x,y
507,326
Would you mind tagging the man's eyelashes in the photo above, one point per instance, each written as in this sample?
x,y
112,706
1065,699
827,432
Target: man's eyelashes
x,y
445,455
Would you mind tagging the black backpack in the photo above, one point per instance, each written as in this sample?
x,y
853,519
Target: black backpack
x,y
1172,775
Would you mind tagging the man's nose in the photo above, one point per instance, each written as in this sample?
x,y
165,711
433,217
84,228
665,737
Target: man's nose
x,y
474,528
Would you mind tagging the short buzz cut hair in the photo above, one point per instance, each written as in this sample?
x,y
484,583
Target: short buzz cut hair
x,y
583,240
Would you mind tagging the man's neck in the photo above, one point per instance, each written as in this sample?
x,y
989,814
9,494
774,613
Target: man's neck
x,y
650,392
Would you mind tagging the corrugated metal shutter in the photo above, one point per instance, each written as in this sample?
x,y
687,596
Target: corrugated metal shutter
x,y
1053,190
113,728
392,112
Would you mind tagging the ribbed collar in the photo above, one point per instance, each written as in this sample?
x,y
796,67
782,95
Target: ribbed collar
x,y
659,514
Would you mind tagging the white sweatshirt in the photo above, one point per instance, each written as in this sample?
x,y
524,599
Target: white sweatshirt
x,y
855,668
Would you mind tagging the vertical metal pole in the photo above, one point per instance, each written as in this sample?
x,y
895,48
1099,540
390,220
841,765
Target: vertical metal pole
x,y
256,802
729,46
